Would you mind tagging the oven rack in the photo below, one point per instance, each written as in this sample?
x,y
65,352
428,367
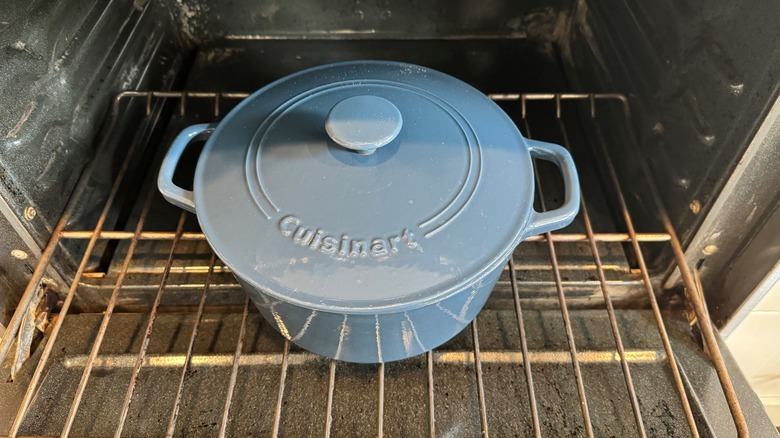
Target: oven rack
x,y
473,358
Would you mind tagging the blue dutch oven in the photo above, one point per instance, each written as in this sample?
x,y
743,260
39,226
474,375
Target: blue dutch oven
x,y
367,208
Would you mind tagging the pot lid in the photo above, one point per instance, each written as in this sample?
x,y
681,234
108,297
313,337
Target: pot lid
x,y
362,186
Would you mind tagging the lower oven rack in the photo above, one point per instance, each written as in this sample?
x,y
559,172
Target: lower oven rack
x,y
477,356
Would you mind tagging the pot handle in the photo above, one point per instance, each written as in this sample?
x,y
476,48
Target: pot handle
x,y
171,192
543,222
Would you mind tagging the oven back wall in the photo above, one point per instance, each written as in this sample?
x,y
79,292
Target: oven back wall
x,y
203,21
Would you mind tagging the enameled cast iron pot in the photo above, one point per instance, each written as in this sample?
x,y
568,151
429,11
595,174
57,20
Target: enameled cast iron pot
x,y
368,208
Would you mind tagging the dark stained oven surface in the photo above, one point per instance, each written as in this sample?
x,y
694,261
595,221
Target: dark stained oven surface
x,y
148,332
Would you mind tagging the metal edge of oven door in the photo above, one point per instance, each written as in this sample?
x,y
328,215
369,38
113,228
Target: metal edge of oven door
x,y
704,390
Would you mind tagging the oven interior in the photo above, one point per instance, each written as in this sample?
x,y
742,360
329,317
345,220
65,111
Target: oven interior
x,y
133,326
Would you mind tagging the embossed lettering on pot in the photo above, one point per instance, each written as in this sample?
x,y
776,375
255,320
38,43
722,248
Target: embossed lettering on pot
x,y
317,239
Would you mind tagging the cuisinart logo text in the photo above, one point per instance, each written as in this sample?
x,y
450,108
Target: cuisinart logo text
x,y
322,241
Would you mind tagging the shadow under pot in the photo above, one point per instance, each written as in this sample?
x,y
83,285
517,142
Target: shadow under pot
x,y
368,208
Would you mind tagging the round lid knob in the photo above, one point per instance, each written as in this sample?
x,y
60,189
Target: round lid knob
x,y
363,123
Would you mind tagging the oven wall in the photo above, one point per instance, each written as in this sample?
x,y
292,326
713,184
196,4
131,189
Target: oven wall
x,y
61,63
702,76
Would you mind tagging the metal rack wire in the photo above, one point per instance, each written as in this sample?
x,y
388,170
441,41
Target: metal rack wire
x,y
526,357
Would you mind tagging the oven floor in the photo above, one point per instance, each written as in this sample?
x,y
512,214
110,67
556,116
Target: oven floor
x,y
355,391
